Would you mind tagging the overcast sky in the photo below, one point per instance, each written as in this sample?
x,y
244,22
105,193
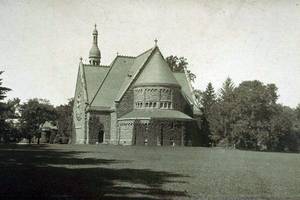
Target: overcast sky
x,y
41,41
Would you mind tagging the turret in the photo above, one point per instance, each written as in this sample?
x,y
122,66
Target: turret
x,y
95,55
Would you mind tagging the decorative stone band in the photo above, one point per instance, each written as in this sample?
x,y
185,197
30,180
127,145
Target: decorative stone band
x,y
155,97
157,85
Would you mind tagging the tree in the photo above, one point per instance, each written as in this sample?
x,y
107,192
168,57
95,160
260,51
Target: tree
x,y
281,136
227,103
34,113
3,90
177,64
255,107
4,126
65,119
207,100
297,111
191,76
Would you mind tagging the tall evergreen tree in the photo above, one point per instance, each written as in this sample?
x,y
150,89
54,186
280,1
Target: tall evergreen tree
x,y
207,101
227,105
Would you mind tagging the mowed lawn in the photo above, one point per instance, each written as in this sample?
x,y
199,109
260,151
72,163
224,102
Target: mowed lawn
x,y
132,172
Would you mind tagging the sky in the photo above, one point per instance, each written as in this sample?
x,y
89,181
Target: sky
x,y
41,41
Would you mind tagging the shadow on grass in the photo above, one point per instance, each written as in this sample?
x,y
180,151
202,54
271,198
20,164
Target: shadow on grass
x,y
33,172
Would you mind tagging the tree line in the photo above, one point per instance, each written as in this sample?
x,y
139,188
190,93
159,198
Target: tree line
x,y
24,120
246,116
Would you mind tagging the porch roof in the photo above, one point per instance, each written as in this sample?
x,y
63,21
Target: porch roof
x,y
156,114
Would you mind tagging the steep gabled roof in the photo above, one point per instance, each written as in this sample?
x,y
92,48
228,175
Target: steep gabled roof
x,y
94,76
112,82
139,62
107,84
182,80
186,89
156,71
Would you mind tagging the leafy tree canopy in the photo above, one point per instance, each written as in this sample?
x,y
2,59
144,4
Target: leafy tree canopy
x,y
3,90
178,65
34,113
64,118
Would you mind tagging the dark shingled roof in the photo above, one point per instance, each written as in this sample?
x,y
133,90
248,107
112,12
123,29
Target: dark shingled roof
x,y
107,84
156,114
133,72
186,89
156,72
94,76
112,82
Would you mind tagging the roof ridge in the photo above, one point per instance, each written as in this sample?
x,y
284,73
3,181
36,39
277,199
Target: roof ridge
x,y
126,56
104,80
145,52
96,65
137,72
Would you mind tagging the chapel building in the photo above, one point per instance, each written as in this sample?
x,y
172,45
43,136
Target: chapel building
x,y
136,100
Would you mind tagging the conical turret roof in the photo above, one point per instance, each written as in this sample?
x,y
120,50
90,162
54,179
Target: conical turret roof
x,y
156,72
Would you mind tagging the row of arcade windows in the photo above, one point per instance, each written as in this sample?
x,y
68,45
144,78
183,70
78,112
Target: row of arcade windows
x,y
161,105
162,90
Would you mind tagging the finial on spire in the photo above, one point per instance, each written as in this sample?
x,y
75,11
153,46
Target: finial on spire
x,y
80,59
156,42
95,32
117,53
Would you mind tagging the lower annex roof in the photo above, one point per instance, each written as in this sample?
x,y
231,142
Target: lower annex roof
x,y
156,114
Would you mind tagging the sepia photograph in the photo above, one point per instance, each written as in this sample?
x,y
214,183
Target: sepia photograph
x,y
150,99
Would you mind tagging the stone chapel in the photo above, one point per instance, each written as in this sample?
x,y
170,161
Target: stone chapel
x,y
136,100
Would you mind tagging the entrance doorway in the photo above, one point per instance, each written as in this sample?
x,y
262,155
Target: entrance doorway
x,y
100,136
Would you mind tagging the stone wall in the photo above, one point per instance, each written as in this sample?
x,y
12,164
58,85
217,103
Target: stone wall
x,y
79,115
99,121
113,129
151,133
126,103
170,132
125,132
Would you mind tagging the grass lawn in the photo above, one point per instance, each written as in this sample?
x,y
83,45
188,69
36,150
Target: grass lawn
x,y
132,172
